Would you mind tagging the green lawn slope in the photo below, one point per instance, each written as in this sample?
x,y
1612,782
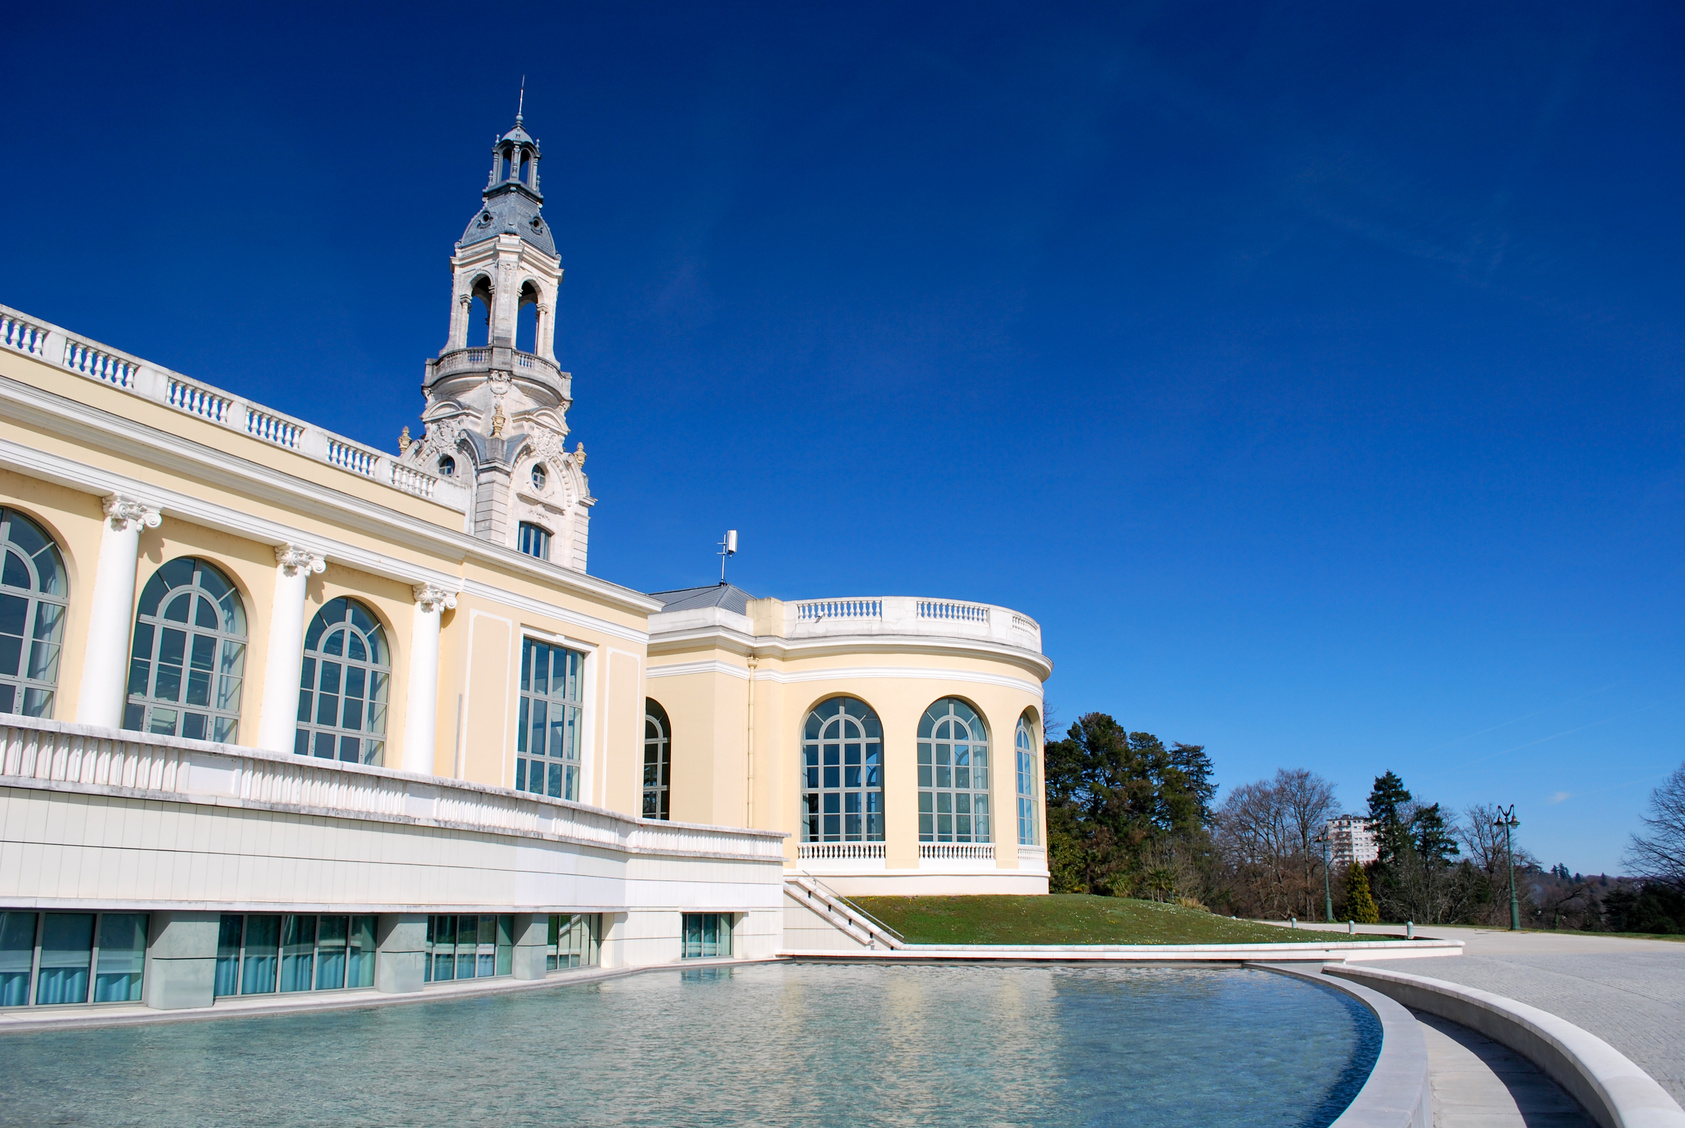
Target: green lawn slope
x,y
1072,918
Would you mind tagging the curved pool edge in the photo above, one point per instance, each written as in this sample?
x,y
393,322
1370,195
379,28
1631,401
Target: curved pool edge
x,y
1606,1083
1213,955
1398,1092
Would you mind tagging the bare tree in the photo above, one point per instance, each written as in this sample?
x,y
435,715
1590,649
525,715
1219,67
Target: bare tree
x,y
1660,854
1265,837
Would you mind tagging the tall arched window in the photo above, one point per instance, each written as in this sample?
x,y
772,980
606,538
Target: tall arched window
x,y
1026,748
189,655
342,692
657,765
953,774
842,784
33,592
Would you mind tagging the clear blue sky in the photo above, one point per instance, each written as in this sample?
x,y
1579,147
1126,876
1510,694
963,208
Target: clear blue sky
x,y
1312,373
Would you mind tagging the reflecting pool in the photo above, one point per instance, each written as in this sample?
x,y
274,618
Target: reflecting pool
x,y
765,1044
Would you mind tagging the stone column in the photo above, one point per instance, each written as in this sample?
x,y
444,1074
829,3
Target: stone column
x,y
421,716
278,719
532,941
180,968
111,611
401,952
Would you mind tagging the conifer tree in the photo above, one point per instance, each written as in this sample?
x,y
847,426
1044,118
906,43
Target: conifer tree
x,y
1360,906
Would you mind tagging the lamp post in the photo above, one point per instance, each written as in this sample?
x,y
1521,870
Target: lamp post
x,y
1506,819
1327,891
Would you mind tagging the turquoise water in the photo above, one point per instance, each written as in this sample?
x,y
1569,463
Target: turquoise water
x,y
768,1044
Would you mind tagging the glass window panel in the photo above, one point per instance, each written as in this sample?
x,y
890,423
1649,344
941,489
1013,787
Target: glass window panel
x,y
331,935
228,954
359,952
958,783
262,954
67,948
122,957
298,952
17,957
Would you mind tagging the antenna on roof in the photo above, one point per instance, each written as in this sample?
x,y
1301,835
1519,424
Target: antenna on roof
x,y
728,547
522,104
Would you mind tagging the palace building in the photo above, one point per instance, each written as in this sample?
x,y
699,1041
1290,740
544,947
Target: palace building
x,y
281,712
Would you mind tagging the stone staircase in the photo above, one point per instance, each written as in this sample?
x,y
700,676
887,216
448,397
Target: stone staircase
x,y
840,913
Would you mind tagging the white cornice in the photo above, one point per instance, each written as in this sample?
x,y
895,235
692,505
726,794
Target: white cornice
x,y
681,668
771,646
91,426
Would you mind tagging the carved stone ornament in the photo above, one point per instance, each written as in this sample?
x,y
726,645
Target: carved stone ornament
x,y
126,514
500,383
431,598
579,456
404,441
498,420
293,559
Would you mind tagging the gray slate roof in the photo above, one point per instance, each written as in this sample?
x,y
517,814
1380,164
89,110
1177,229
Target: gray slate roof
x,y
512,212
729,596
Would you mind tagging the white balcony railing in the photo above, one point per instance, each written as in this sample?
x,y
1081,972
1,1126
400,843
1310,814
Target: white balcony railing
x,y
900,615
957,851
152,767
191,397
839,851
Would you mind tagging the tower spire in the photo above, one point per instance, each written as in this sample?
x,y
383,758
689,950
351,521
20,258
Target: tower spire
x,y
522,104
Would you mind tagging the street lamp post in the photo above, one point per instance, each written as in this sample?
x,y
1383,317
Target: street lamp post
x,y
1327,890
1506,819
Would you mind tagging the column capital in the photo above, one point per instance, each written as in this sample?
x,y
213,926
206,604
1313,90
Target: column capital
x,y
127,513
430,598
295,559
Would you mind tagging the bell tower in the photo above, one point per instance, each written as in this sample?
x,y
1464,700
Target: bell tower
x,y
496,413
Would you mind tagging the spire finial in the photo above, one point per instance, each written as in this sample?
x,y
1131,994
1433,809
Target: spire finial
x,y
522,104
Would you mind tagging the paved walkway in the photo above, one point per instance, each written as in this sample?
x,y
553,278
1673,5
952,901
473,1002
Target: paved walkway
x,y
1630,993
1479,1084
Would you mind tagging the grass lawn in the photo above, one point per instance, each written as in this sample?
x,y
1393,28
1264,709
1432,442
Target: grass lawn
x,y
1071,918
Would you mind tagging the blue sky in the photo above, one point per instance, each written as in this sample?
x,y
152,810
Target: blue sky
x,y
1312,373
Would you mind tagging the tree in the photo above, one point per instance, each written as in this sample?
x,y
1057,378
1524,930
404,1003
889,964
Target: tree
x,y
1659,854
1265,837
1386,802
1113,796
1360,906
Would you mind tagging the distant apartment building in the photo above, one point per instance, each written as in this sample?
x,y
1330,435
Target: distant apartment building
x,y
1351,838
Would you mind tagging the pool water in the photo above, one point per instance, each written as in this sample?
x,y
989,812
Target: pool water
x,y
765,1044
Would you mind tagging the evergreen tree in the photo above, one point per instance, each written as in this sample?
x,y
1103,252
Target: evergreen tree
x,y
1360,906
1385,799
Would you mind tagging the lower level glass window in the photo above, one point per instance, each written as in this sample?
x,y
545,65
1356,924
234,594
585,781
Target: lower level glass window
x,y
575,940
55,958
262,953
469,946
706,934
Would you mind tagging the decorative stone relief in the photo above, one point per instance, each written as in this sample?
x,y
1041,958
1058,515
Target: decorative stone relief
x,y
431,598
294,559
127,514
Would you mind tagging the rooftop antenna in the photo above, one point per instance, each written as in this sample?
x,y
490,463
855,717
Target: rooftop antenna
x,y
522,104
728,547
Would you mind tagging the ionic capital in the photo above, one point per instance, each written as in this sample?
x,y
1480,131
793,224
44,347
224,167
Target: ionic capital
x,y
295,559
431,598
126,514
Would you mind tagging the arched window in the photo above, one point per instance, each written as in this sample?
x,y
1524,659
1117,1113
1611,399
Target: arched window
x,y
657,765
33,592
1026,748
534,540
842,784
479,313
953,774
342,692
189,655
526,319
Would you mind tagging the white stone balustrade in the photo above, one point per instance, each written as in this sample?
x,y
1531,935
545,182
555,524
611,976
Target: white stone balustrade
x,y
839,851
95,759
957,851
903,615
149,381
